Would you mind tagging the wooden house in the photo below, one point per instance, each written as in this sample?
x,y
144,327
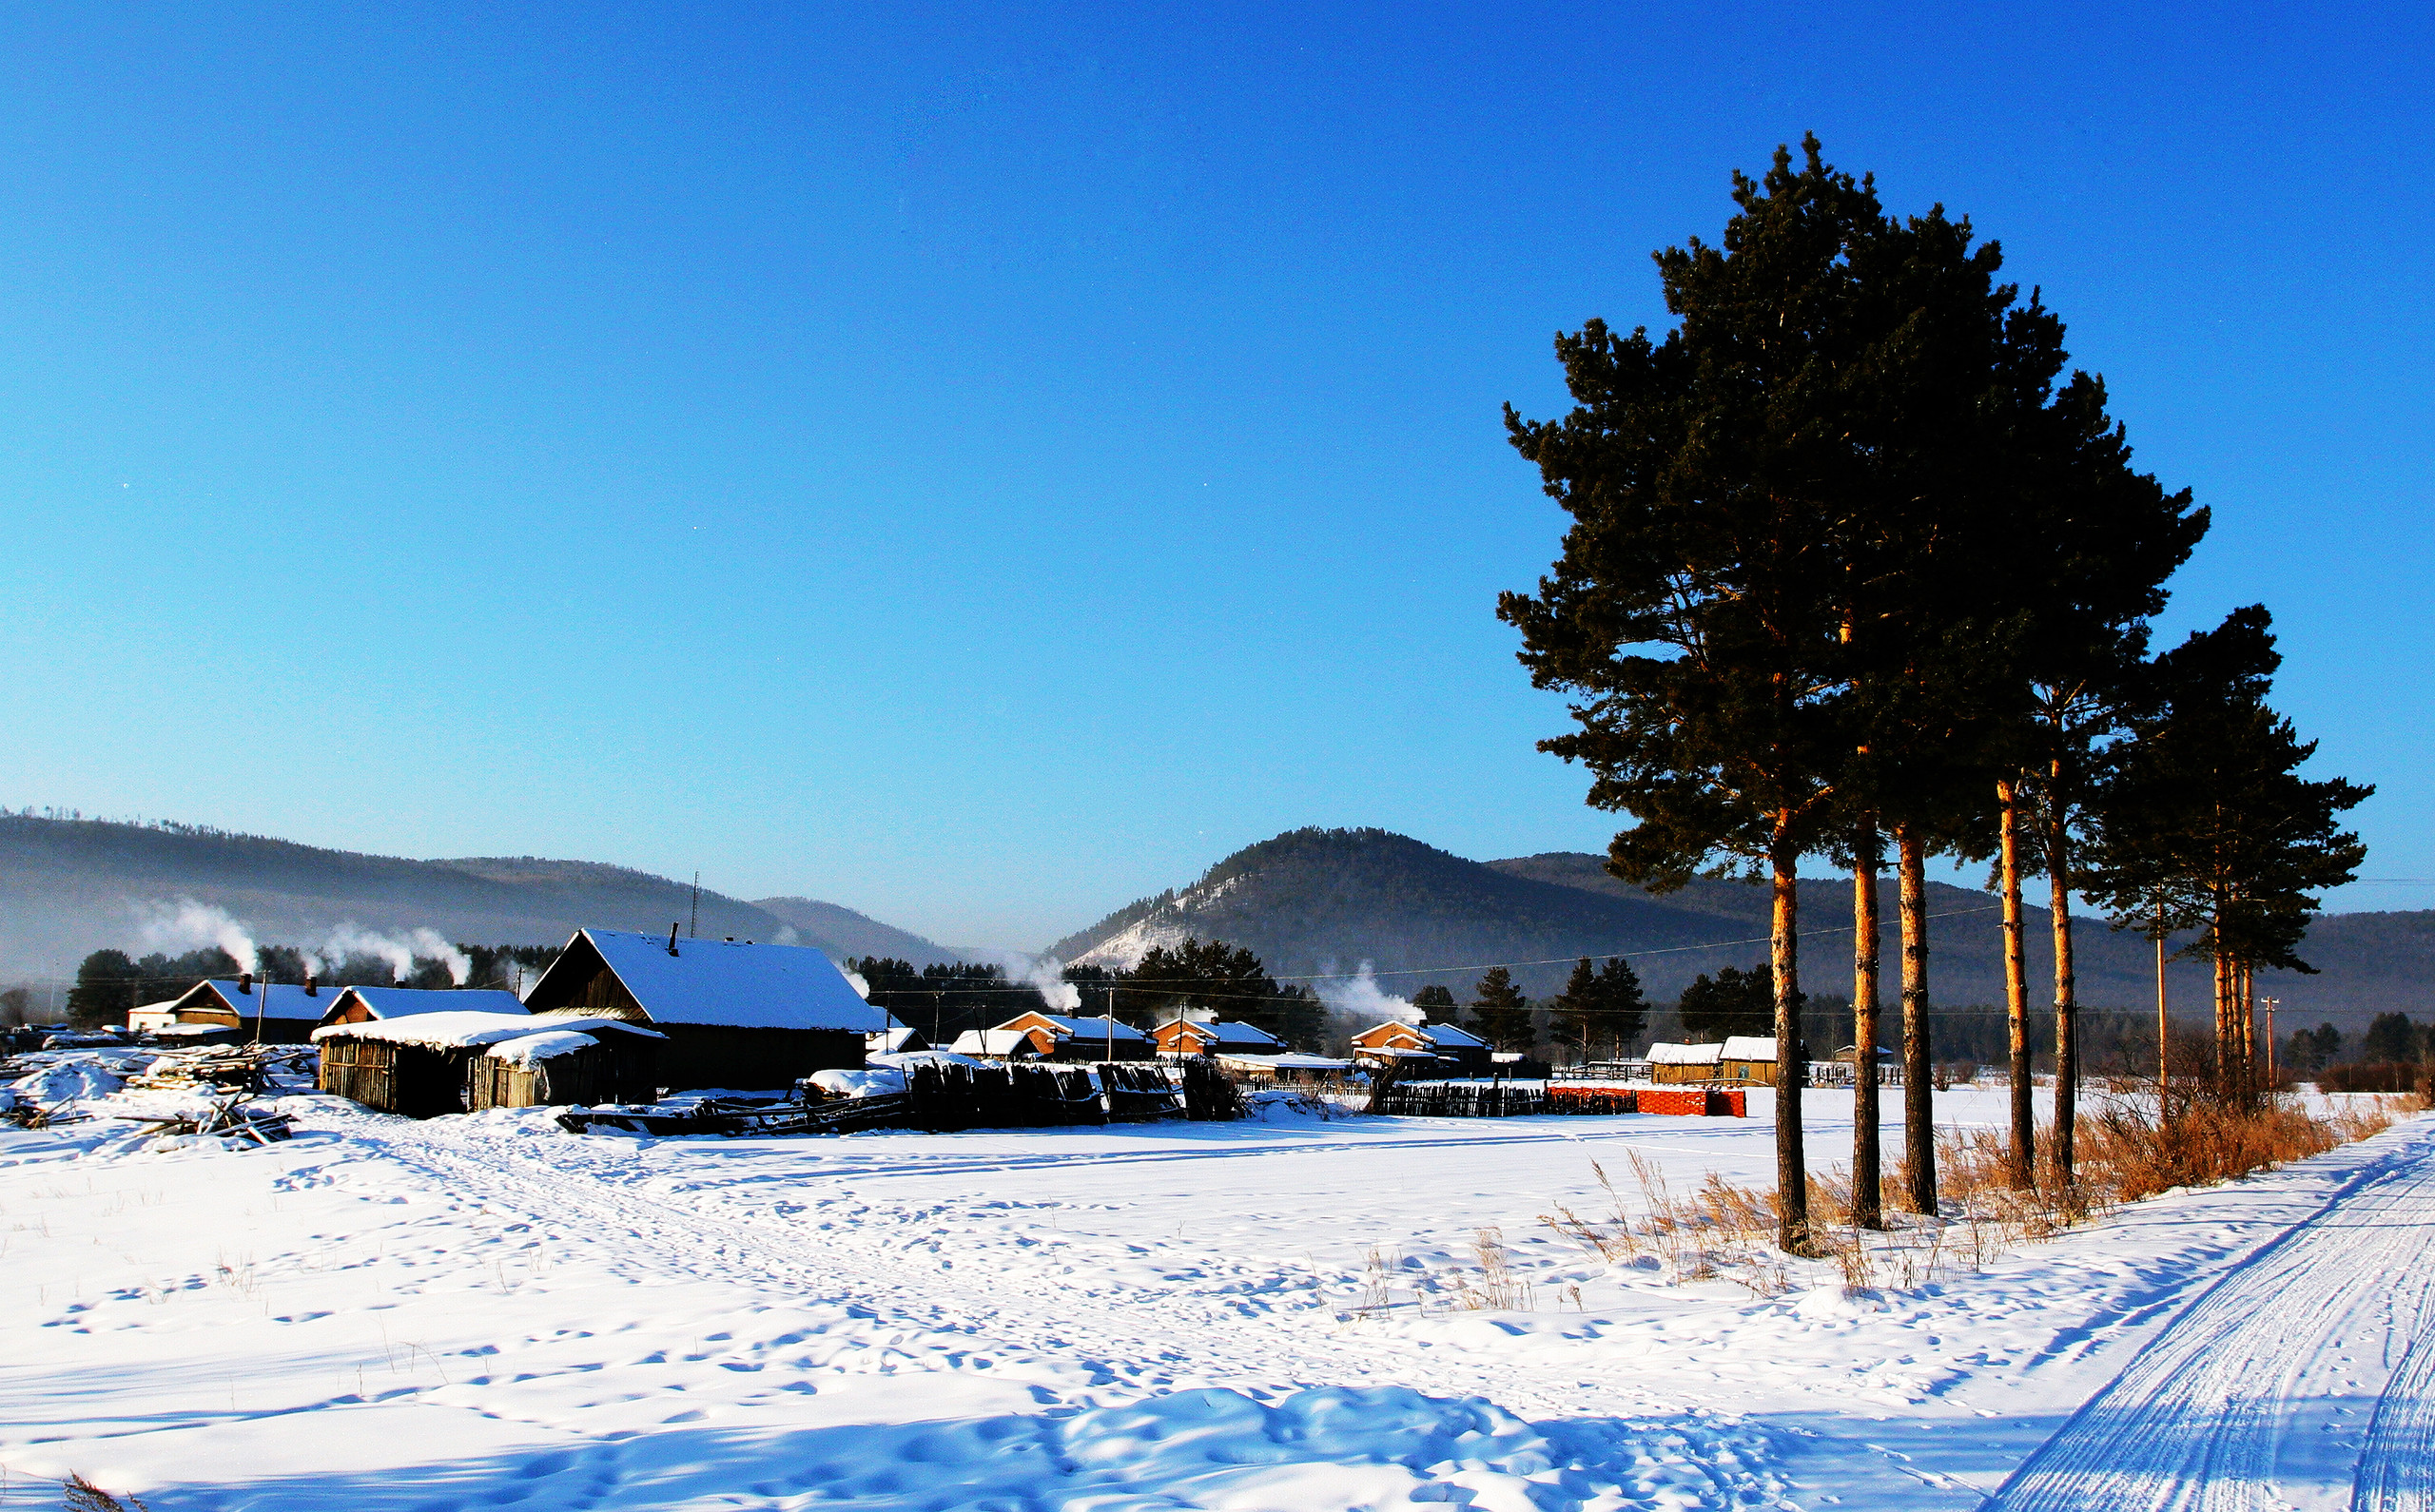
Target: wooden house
x,y
1455,1050
425,1065
1679,1063
279,1014
735,1014
1187,1036
1747,1058
361,1005
1053,1036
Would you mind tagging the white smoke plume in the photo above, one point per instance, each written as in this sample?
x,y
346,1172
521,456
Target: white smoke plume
x,y
189,925
400,952
1047,972
1361,998
862,988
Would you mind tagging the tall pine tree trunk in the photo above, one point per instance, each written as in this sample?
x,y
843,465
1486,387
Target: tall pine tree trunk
x,y
2024,1155
1792,1172
1867,1178
2225,1046
1918,1112
2067,1007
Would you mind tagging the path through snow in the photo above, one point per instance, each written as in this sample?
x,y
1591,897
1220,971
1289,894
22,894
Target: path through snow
x,y
2300,1380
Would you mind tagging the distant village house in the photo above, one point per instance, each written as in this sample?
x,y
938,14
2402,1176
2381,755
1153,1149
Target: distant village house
x,y
1053,1036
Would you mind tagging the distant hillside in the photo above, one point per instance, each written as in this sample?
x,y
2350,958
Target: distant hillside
x,y
1317,901
70,886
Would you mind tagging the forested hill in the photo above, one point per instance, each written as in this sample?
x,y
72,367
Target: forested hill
x,y
70,886
1315,901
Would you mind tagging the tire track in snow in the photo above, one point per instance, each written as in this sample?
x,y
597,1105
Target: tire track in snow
x,y
2227,1407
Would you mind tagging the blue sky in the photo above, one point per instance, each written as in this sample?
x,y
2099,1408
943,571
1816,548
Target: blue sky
x,y
982,465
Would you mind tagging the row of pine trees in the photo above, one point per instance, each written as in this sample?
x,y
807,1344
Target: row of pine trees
x,y
1859,569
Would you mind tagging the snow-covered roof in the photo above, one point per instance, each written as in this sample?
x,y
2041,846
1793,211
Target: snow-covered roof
x,y
1749,1047
526,1048
458,1031
887,1041
730,983
268,1000
396,1002
1084,1028
1230,1031
1447,1037
990,1041
1685,1055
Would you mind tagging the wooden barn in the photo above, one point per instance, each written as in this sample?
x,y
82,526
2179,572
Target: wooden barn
x,y
361,1005
1456,1050
1189,1036
1052,1037
735,1014
425,1065
1681,1063
279,1014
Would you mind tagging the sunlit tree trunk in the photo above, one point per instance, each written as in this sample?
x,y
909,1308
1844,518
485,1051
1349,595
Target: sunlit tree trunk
x,y
1918,1112
2024,1137
1866,1175
1792,1172
2067,1054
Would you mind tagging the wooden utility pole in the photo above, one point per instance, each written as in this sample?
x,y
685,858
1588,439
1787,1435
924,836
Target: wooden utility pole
x,y
2164,1064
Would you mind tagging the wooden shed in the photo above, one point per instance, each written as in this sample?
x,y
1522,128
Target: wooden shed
x,y
1680,1063
422,1065
735,1014
560,1066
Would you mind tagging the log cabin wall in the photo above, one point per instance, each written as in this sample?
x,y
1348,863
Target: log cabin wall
x,y
752,1059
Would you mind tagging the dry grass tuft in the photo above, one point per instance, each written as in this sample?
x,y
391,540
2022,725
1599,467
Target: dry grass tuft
x,y
84,1496
1722,1230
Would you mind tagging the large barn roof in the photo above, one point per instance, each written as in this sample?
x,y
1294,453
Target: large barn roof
x,y
734,984
396,1002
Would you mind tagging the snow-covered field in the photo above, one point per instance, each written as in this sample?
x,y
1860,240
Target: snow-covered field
x,y
483,1311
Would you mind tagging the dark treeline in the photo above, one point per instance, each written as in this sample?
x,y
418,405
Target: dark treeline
x,y
110,983
1859,569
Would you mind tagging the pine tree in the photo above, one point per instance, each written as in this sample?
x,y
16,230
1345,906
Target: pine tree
x,y
1500,1012
1436,1004
1732,1002
1706,474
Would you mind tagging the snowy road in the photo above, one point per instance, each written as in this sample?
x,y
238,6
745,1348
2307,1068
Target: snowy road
x,y
2304,1379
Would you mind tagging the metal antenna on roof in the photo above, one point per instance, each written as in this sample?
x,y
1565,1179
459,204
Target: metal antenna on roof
x,y
693,930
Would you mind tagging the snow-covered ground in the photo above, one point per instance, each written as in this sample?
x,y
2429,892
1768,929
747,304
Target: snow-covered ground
x,y
483,1310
